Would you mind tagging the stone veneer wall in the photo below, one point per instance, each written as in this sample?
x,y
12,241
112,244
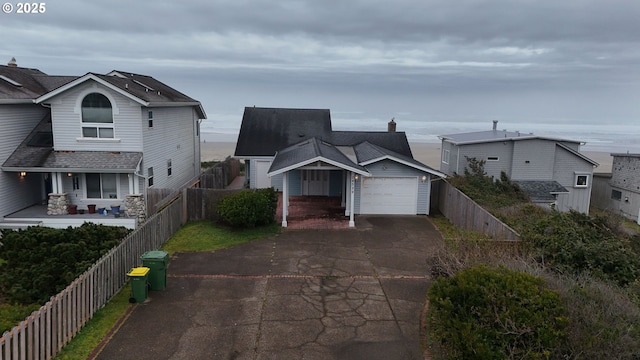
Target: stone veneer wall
x,y
58,204
134,206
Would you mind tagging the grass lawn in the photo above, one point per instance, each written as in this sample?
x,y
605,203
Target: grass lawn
x,y
207,236
196,236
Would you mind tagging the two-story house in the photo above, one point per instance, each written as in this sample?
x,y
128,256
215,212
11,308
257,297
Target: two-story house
x,y
552,171
92,142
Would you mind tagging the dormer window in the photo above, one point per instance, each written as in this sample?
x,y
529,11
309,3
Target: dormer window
x,y
97,117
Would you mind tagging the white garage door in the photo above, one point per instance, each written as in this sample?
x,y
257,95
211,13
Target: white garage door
x,y
389,195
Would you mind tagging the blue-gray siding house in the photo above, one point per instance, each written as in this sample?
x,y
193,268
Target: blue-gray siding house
x,y
297,152
551,170
92,141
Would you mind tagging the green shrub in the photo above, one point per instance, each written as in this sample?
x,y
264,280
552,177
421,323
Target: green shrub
x,y
485,190
494,313
249,208
39,262
576,243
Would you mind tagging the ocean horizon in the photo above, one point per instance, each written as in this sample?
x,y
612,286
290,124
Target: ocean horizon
x,y
604,137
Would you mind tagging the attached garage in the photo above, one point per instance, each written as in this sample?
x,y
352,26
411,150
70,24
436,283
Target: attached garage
x,y
389,195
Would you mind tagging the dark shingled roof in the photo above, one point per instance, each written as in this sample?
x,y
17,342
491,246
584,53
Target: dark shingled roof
x,y
146,88
308,150
29,88
78,161
267,130
35,148
367,151
541,190
394,141
36,153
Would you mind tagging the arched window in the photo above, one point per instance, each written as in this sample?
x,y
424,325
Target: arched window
x,y
97,116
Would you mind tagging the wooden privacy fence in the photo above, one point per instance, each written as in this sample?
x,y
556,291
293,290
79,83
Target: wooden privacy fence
x,y
43,334
201,204
467,214
221,175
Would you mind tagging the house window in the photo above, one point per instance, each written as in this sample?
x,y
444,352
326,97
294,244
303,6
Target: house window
x,y
445,156
97,117
150,176
493,158
581,180
616,195
101,186
169,167
150,118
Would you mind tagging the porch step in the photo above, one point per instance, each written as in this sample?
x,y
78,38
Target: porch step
x,y
18,224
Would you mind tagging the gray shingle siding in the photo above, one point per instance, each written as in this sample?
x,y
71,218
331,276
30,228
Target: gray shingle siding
x,y
626,173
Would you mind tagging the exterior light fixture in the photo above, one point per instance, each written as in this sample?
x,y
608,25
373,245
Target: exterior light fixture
x,y
423,178
356,177
23,174
69,174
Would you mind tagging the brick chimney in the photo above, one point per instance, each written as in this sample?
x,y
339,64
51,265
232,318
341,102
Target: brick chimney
x,y
391,126
12,63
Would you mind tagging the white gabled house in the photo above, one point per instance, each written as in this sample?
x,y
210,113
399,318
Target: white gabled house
x,y
551,171
91,142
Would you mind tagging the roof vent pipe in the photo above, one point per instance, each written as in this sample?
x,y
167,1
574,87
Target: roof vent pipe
x,y
495,125
391,126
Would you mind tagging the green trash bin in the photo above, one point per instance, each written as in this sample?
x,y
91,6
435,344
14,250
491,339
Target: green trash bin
x,y
139,279
157,261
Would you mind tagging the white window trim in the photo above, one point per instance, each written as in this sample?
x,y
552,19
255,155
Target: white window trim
x,y
575,180
84,188
97,140
115,110
446,154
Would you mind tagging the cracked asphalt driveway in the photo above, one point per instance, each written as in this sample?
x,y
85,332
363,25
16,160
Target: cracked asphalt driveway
x,y
304,294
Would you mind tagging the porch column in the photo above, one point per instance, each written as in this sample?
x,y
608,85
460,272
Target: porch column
x,y
352,194
130,178
55,187
343,201
285,198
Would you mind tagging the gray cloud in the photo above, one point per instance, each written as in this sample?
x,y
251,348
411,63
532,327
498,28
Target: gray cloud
x,y
571,59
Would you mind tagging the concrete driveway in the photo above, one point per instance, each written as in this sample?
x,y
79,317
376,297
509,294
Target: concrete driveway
x,y
305,294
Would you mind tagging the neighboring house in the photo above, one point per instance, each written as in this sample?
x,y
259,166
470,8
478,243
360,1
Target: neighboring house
x,y
619,191
76,142
297,152
552,171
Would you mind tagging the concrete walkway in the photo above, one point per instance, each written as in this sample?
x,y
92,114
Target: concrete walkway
x,y
305,294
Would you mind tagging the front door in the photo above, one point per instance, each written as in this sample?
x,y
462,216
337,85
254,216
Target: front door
x,y
315,182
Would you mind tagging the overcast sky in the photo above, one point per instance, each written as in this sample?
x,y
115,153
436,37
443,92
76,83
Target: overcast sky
x,y
526,61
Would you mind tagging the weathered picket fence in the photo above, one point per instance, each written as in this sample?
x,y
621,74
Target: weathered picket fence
x,y
43,334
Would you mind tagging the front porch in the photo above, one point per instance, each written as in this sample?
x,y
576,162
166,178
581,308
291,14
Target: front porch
x,y
37,216
314,212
